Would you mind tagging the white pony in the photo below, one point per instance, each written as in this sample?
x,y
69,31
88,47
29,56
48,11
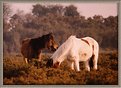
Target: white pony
x,y
76,50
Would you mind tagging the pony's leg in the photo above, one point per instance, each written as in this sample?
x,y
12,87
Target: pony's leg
x,y
87,65
95,60
40,57
26,60
71,64
95,57
76,65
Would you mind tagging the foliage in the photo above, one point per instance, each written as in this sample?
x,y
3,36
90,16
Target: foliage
x,y
63,22
71,11
15,72
6,11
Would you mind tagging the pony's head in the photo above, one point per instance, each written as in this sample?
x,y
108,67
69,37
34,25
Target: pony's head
x,y
51,64
51,44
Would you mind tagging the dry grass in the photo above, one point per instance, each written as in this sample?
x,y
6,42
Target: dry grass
x,y
17,72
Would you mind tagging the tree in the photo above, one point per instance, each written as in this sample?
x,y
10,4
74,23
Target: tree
x,y
6,16
95,21
56,9
111,21
39,10
98,18
71,11
6,11
42,10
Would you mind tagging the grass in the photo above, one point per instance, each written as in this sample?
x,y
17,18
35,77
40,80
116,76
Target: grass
x,y
16,72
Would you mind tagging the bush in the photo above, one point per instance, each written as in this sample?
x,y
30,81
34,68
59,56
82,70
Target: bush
x,y
17,72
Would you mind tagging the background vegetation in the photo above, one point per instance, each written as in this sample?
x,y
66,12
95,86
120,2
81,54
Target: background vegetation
x,y
63,22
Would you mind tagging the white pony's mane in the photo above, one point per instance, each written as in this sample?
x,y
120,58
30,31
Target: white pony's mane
x,y
63,49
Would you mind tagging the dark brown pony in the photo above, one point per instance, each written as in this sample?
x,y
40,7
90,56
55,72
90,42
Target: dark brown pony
x,y
31,48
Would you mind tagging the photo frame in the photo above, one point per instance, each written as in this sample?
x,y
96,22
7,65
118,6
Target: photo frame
x,y
60,42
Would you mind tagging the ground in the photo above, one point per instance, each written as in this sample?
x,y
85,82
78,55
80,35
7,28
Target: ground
x,y
16,72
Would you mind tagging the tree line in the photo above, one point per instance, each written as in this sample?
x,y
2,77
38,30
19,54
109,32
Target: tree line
x,y
62,21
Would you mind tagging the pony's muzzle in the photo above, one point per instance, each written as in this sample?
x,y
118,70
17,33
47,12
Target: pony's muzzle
x,y
56,65
53,49
49,63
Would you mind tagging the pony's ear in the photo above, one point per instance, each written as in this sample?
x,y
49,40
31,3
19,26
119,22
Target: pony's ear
x,y
51,33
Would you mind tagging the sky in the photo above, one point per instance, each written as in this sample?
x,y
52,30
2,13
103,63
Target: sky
x,y
85,9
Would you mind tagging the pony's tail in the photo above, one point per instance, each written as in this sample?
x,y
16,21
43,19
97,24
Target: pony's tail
x,y
94,56
91,64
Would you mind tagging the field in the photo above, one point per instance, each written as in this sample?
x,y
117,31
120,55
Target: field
x,y
16,72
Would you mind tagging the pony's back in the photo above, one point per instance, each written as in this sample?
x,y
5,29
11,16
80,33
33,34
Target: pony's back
x,y
93,43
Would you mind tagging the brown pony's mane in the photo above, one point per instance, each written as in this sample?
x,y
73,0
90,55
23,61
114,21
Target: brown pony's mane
x,y
40,42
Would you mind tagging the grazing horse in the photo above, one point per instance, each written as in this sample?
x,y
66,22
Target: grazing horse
x,y
31,48
76,50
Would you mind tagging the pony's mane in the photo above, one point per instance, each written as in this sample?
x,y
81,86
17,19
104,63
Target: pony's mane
x,y
63,49
40,42
46,36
